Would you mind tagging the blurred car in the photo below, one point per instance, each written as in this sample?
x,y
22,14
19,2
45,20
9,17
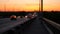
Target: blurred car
x,y
19,17
13,17
34,14
26,16
30,16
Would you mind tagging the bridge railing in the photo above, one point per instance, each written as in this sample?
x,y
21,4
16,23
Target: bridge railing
x,y
54,24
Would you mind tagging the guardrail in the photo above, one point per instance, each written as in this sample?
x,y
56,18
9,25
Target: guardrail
x,y
54,24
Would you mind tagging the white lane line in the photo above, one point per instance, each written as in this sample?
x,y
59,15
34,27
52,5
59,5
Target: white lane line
x,y
49,30
54,24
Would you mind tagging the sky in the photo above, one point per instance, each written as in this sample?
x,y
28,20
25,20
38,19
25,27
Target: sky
x,y
29,5
51,5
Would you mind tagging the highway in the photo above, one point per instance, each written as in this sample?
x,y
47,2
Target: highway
x,y
37,26
6,24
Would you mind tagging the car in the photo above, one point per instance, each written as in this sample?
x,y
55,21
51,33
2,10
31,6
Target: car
x,y
30,16
13,17
26,16
19,17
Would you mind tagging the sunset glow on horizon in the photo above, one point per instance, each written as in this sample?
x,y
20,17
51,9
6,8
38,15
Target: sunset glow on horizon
x,y
51,5
28,5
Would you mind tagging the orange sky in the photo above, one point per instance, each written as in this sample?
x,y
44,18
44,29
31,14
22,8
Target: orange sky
x,y
51,5
28,5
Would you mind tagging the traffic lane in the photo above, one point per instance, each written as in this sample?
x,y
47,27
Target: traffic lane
x,y
5,23
4,20
8,26
7,20
11,24
36,27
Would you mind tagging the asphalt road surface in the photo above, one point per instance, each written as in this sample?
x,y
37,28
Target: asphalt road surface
x,y
36,27
6,24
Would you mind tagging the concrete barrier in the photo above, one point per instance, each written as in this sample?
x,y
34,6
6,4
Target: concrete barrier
x,y
54,24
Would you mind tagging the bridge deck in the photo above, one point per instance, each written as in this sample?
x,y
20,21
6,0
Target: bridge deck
x,y
7,24
36,27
